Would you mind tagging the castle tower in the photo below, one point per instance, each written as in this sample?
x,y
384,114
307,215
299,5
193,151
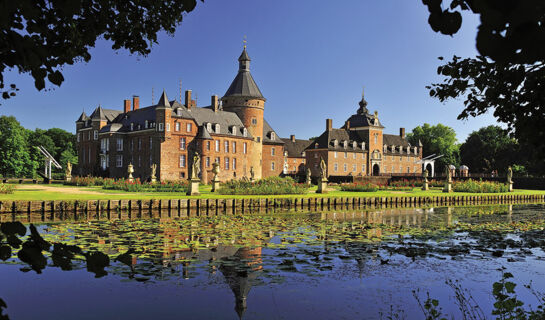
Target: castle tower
x,y
245,99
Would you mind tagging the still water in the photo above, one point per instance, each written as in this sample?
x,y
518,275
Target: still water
x,y
362,264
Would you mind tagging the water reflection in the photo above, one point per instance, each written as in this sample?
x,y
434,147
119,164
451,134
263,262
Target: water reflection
x,y
257,250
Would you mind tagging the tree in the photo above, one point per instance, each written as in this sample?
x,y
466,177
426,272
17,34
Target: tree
x,y
39,37
439,140
490,148
508,76
15,160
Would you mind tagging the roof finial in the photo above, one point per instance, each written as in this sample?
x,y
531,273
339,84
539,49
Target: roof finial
x,y
244,41
362,91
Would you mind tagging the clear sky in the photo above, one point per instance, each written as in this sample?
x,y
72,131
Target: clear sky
x,y
309,58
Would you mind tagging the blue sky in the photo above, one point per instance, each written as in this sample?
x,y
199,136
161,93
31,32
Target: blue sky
x,y
310,59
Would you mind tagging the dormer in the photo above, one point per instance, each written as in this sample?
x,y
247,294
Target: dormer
x,y
335,143
146,124
354,144
393,148
408,150
132,126
273,136
385,148
209,127
415,150
217,128
234,130
244,132
345,144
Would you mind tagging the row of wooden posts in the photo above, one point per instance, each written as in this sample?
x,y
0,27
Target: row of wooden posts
x,y
182,207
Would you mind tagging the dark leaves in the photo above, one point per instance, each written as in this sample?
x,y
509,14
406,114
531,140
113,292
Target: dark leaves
x,y
13,228
96,262
5,252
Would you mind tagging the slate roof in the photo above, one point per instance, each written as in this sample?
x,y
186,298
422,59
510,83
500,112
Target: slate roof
x,y
267,130
295,148
104,114
327,138
83,117
244,84
163,101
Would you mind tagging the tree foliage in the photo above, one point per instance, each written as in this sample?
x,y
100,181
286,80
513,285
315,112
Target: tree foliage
x,y
488,149
19,156
508,76
439,140
39,37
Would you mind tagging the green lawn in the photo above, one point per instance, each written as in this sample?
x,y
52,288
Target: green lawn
x,y
61,192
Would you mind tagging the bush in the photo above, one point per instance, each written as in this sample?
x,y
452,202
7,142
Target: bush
x,y
359,187
271,185
137,186
473,186
6,188
86,181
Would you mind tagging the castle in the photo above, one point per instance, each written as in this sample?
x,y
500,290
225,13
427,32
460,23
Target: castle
x,y
232,132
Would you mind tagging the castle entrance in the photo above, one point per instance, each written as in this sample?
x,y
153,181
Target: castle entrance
x,y
376,169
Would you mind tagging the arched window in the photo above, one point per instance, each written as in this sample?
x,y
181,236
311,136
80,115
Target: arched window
x,y
244,132
146,124
234,130
273,136
354,145
345,144
335,143
385,148
209,127
217,128
132,126
363,146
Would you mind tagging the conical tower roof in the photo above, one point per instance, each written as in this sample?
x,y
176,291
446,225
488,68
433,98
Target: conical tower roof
x,y
163,101
244,84
98,114
83,117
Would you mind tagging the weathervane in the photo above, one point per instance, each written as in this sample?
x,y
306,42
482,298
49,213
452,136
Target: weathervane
x,y
244,41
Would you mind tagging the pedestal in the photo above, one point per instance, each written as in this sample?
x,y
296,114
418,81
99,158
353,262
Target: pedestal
x,y
510,186
308,182
448,187
131,178
68,178
153,179
215,185
322,186
425,186
194,187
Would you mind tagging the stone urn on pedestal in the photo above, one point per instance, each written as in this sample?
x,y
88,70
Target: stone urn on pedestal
x,y
130,171
322,183
215,179
195,181
425,186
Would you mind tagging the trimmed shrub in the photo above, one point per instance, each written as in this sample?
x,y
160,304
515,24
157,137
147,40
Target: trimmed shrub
x,y
86,181
137,186
359,187
266,186
6,188
473,186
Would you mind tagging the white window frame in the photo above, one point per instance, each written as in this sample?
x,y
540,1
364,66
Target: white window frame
x,y
182,161
188,127
273,151
119,161
119,146
182,143
234,164
245,148
161,125
95,134
217,145
272,166
234,147
177,126
226,146
226,163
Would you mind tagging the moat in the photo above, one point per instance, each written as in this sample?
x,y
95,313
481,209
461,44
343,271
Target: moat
x,y
340,264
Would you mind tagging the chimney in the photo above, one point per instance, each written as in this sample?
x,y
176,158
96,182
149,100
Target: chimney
x,y
127,105
347,125
215,103
135,102
402,133
328,124
292,138
188,99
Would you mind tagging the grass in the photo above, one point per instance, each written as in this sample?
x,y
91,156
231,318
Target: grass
x,y
37,192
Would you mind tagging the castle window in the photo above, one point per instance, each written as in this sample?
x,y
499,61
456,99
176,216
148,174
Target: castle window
x,y
182,161
179,112
303,154
345,144
272,165
258,139
150,143
209,127
217,160
363,168
132,145
376,138
207,162
336,167
208,145
217,128
254,121
132,126
139,143
244,148
226,163
335,154
363,146
177,126
346,155
119,144
168,126
272,151
217,146
234,130
119,160
234,147
385,148
354,155
354,145
244,132
345,167
146,124
234,163
335,143
354,168
103,162
273,136
160,126
188,127
226,146
393,149
79,136
182,143
95,135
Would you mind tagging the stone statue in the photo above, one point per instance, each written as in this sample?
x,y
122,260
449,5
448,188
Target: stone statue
x,y
448,180
323,169
448,173
153,172
307,177
252,174
509,175
196,167
425,175
130,171
68,171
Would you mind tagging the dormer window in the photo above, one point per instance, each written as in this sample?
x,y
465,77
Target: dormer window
x,y
273,136
179,112
354,145
303,154
217,128
335,143
400,149
414,150
408,150
132,126
209,127
363,146
244,132
345,144
393,149
385,148
234,130
139,126
146,124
